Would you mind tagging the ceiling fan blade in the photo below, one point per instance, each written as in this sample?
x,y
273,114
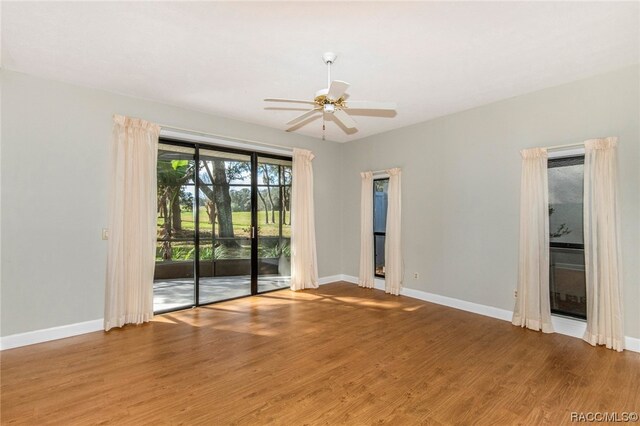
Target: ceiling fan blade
x,y
303,116
337,89
298,101
344,118
371,105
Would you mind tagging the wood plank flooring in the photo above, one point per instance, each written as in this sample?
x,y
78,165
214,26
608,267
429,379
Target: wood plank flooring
x,y
336,355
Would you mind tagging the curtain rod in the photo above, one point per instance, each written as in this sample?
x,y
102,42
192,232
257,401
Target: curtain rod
x,y
377,172
198,132
569,145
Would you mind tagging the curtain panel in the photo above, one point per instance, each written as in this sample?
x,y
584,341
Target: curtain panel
x,y
394,266
304,264
366,276
602,245
532,307
131,222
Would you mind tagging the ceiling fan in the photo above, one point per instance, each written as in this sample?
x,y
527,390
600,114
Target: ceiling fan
x,y
333,100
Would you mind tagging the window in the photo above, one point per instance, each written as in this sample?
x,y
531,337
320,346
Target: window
x,y
380,202
567,285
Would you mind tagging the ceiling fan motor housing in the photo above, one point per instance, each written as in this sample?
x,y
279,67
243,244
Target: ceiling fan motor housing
x,y
329,57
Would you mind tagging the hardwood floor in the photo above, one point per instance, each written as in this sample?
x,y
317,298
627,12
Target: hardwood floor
x,y
336,355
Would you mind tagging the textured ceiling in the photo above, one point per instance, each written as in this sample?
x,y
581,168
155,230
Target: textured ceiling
x,y
224,58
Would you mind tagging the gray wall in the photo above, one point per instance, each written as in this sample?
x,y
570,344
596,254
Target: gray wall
x,y
461,178
55,139
461,185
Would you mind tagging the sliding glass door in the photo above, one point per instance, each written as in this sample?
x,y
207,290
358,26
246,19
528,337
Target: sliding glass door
x,y
274,223
224,224
174,280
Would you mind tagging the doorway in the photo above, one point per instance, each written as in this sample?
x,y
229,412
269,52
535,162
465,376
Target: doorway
x,y
223,226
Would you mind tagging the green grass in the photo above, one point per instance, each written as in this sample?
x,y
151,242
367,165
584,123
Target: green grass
x,y
241,224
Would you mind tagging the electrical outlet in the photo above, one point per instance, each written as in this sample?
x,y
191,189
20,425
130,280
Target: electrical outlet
x,y
416,276
105,234
515,293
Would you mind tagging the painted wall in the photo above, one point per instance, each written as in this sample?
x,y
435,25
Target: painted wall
x,y
55,140
461,185
461,177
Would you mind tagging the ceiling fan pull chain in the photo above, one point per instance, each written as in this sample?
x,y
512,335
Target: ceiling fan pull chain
x,y
323,128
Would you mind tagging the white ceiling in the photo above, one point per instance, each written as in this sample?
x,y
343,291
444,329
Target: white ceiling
x,y
224,58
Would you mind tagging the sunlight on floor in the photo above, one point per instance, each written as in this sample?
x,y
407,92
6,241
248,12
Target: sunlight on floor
x,y
367,302
283,299
265,331
163,319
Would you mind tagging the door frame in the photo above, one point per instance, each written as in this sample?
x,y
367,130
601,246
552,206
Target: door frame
x,y
254,217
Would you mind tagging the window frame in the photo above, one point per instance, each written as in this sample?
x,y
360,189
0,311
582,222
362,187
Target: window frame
x,y
555,162
377,234
254,155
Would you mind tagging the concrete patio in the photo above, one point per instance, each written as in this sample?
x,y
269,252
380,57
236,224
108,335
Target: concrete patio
x,y
174,293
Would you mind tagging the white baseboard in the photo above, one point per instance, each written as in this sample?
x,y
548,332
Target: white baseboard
x,y
47,334
330,279
632,344
354,280
562,325
70,330
568,326
476,308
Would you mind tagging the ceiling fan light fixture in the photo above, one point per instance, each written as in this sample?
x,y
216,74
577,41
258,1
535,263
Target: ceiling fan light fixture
x,y
332,100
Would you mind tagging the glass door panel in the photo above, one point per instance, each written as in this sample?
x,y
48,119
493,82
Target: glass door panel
x,y
224,212
274,223
174,275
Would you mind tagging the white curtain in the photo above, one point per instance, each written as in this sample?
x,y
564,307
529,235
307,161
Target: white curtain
x,y
532,308
304,264
394,267
131,222
366,278
602,245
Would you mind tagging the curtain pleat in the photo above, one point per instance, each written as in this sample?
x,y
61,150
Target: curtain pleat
x,y
602,245
394,267
131,222
304,264
366,276
532,308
